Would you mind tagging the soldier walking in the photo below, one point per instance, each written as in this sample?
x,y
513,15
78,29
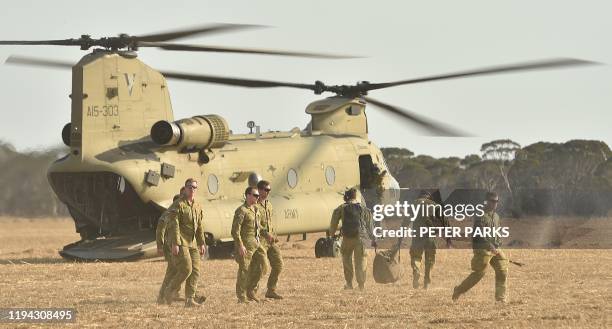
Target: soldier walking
x,y
487,252
357,230
163,249
186,232
249,254
428,217
270,240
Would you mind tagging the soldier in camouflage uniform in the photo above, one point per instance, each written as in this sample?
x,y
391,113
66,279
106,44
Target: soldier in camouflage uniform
x,y
353,244
186,232
487,252
163,248
420,245
249,254
269,241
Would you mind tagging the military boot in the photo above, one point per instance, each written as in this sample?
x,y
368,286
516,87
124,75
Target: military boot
x,y
426,283
190,302
361,287
456,294
415,282
272,294
243,300
348,286
200,299
251,296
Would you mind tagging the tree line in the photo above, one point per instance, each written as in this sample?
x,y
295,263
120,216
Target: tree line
x,y
572,178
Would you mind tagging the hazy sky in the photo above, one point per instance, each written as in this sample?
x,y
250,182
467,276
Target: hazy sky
x,y
402,39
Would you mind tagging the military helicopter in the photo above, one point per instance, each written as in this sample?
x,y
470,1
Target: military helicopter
x,y
129,156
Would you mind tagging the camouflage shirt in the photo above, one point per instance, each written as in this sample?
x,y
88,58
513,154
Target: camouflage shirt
x,y
429,216
186,223
245,227
266,212
162,227
489,219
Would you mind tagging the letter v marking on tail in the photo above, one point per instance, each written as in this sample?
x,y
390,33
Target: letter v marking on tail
x,y
129,79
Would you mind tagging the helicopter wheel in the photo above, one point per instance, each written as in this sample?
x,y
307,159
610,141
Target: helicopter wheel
x,y
327,247
220,251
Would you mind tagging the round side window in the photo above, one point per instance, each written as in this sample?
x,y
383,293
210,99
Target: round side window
x,y
292,178
213,184
330,175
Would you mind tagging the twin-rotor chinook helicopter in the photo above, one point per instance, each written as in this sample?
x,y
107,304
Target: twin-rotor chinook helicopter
x,y
129,156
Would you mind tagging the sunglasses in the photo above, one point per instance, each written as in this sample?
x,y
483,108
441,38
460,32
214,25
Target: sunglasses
x,y
192,187
267,189
255,195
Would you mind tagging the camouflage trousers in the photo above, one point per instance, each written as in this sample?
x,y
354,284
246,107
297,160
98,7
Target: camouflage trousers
x,y
354,248
251,268
481,259
417,249
187,267
276,266
170,272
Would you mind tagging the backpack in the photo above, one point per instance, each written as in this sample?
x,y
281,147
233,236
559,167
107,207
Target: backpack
x,y
351,220
386,267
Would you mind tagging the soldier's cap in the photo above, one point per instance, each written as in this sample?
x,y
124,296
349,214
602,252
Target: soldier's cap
x,y
492,196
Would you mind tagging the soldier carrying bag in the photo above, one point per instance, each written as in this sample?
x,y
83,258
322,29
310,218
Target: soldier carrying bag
x,y
386,267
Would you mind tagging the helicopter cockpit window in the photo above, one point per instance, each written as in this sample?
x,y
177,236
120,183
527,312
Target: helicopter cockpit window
x,y
213,184
330,175
292,178
353,110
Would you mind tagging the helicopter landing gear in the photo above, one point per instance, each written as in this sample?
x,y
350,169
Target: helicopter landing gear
x,y
220,251
327,247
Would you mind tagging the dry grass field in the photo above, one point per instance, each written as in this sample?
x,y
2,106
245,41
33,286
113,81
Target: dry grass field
x,y
557,289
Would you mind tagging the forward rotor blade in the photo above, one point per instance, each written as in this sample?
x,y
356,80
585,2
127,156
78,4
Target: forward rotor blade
x,y
250,83
435,128
525,66
208,29
181,47
65,42
18,60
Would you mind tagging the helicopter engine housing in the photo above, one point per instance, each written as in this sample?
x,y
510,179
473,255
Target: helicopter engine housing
x,y
192,134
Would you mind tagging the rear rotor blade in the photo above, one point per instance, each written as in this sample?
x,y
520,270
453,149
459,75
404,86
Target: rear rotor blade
x,y
18,60
435,128
65,42
207,29
525,66
182,47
